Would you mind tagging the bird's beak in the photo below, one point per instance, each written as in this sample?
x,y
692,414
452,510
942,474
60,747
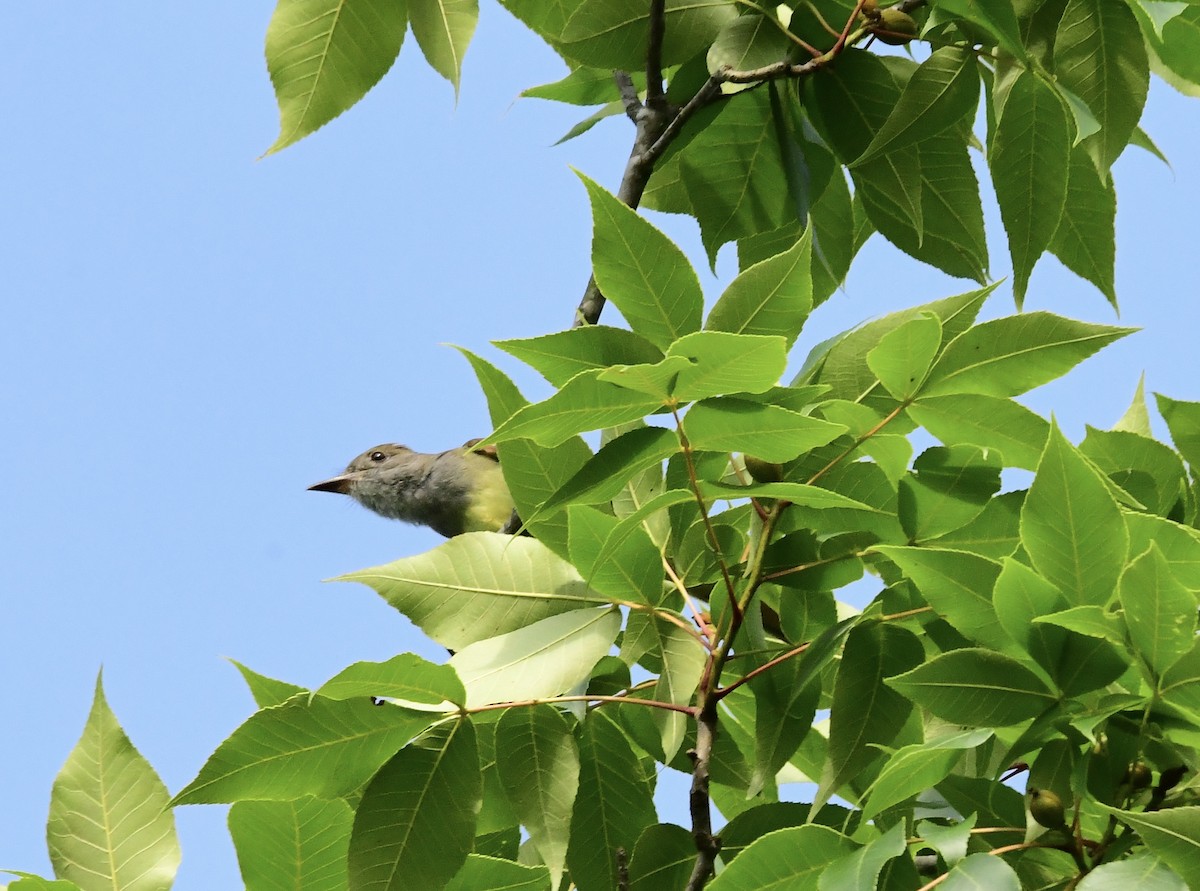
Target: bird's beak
x,y
339,484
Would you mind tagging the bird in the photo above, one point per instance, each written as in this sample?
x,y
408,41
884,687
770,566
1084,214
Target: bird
x,y
452,492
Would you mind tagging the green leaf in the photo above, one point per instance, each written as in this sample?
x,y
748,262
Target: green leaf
x,y
531,472
861,869
774,296
613,35
915,768
720,362
1072,528
949,841
946,489
538,762
1091,621
544,659
1159,612
1179,544
941,92
1077,664
902,358
989,422
266,691
748,42
614,805
997,16
610,469
443,29
663,858
743,171
683,660
1142,871
1008,356
1183,420
582,86
958,585
766,431
864,711
560,356
584,403
642,272
995,533
110,822
478,585
424,799
841,363
633,573
309,745
282,845
1173,834
1029,159
1137,417
982,871
324,55
1085,240
787,858
1099,55
407,677
492,872
1144,467
1175,56
976,688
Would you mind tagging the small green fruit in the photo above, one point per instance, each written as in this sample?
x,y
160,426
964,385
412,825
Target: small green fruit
x,y
763,471
895,28
1047,808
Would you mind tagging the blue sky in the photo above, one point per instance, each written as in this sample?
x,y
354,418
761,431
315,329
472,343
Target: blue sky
x,y
191,337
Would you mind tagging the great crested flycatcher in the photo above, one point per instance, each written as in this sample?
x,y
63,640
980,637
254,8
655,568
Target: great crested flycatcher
x,y
452,492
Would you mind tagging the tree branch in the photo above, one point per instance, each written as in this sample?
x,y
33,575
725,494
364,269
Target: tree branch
x,y
707,847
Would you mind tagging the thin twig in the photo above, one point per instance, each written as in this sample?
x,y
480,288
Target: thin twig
x,y
766,666
523,703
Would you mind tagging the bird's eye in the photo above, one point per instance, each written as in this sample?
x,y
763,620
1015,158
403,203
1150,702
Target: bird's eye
x,y
377,456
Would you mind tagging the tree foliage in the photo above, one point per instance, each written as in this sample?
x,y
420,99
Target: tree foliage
x,y
1027,606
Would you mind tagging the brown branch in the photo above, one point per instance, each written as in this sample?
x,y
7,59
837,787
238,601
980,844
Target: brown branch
x,y
766,666
654,43
698,802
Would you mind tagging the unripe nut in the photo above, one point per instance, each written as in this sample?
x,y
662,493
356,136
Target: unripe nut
x,y
763,471
1047,808
899,26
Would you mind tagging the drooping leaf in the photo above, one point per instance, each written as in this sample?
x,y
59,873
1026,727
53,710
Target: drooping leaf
x,y
538,762
1072,528
1099,55
941,92
748,42
663,858
613,35
947,488
292,844
861,869
613,807
619,459
683,659
1175,54
544,659
1029,160
443,29
424,799
997,16
864,710
478,585
634,573
915,768
1085,240
982,871
110,823
324,55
